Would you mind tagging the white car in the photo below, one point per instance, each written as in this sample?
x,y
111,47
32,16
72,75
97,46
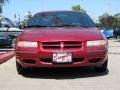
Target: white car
x,y
7,27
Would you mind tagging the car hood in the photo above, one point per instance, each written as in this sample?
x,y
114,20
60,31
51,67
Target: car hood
x,y
61,34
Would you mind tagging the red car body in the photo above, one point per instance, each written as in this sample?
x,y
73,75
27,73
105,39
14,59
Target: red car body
x,y
69,40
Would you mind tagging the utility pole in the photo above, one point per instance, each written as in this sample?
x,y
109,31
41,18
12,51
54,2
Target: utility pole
x,y
109,6
0,9
43,4
19,18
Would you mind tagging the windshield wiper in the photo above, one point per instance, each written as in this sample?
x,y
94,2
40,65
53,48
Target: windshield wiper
x,y
75,25
62,25
36,26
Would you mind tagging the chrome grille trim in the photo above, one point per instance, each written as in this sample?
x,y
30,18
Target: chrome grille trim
x,y
62,45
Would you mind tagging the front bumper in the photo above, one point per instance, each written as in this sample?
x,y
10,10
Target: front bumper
x,y
44,58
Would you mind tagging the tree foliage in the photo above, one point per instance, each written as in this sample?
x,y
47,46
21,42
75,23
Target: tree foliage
x,y
2,2
27,18
108,21
78,8
117,16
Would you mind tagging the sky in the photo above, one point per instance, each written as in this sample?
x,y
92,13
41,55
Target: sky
x,y
94,8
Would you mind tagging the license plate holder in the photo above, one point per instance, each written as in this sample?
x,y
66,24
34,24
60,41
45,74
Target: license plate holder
x,y
62,57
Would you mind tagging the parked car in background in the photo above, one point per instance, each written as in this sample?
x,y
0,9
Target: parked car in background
x,y
116,33
108,33
7,27
61,39
5,40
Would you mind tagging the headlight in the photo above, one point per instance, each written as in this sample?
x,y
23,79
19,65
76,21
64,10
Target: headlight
x,y
96,43
27,44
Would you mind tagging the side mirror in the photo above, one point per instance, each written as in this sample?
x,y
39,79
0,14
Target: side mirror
x,y
99,25
22,26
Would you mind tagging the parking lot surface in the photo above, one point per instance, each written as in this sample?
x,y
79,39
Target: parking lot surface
x,y
64,79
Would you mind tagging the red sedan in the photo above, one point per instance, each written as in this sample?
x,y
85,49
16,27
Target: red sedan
x,y
61,39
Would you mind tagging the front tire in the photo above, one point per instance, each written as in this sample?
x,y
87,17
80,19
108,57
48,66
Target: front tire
x,y
115,36
118,37
20,69
102,68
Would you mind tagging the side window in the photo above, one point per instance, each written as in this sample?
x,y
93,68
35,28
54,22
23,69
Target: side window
x,y
4,25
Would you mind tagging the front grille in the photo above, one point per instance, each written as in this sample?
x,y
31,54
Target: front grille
x,y
49,60
72,44
51,45
62,45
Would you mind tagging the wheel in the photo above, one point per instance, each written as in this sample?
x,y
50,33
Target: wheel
x,y
20,69
115,36
108,37
102,68
118,37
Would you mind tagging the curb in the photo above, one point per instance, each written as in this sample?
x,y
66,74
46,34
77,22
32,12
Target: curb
x,y
115,53
5,57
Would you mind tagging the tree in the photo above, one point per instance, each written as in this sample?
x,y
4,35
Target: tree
x,y
108,21
2,2
78,8
26,19
117,16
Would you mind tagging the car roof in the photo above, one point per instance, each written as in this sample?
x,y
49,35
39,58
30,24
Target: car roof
x,y
59,11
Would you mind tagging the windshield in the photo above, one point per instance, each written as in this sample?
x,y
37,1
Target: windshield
x,y
10,22
55,19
